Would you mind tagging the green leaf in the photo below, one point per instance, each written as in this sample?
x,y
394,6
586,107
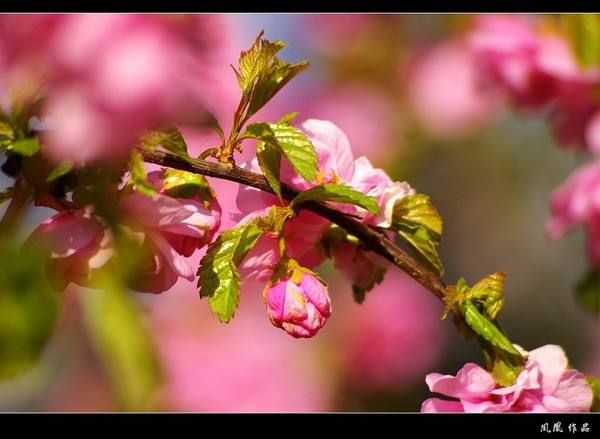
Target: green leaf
x,y
63,168
169,139
123,342
28,307
271,81
291,142
139,176
7,134
253,61
485,328
219,278
583,32
6,194
504,366
421,239
417,210
337,193
588,291
183,184
489,292
269,160
25,147
595,385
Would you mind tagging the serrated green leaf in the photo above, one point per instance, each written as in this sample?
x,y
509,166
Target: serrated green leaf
x,y
28,307
588,291
595,385
482,326
269,160
424,243
139,176
63,168
583,33
25,147
6,194
253,61
182,184
169,139
338,193
291,142
123,342
417,209
219,278
287,119
271,80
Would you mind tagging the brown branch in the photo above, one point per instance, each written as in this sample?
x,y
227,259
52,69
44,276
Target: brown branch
x,y
373,239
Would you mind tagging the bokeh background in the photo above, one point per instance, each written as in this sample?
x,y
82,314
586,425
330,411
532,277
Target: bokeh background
x,y
404,89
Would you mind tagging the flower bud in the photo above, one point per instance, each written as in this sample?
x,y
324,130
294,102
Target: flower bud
x,y
299,304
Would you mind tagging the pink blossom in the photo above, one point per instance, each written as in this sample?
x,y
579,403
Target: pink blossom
x,y
172,228
123,74
336,164
546,384
365,114
78,244
299,308
577,201
398,320
539,71
450,108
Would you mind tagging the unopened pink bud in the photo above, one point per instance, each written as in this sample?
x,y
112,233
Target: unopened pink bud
x,y
300,309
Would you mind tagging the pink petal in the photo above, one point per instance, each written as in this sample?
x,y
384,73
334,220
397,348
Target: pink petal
x,y
436,405
472,381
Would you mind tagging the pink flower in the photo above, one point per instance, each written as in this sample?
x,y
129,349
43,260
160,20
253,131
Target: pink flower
x,y
450,108
78,244
365,114
577,201
299,308
123,74
173,229
539,71
546,384
336,164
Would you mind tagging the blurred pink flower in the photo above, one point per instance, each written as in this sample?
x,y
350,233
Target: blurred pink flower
x,y
446,93
121,75
539,71
173,229
577,201
546,384
241,367
390,340
362,112
299,308
78,243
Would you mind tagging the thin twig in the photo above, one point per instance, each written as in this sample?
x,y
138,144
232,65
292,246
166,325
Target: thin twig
x,y
373,239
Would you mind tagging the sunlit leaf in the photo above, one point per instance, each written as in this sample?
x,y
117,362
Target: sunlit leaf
x,y
219,278
269,160
583,32
417,210
63,168
139,176
169,139
291,142
25,147
182,184
421,239
337,193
